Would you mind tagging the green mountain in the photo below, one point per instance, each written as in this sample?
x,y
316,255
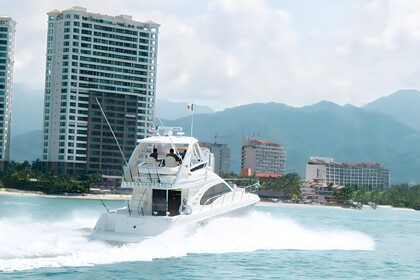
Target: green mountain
x,y
26,146
28,105
402,105
345,133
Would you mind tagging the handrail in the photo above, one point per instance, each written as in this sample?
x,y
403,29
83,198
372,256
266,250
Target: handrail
x,y
254,182
214,197
254,186
138,206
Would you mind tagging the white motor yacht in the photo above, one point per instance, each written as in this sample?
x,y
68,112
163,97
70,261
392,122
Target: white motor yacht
x,y
161,183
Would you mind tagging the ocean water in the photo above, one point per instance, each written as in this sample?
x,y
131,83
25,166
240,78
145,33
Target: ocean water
x,y
42,237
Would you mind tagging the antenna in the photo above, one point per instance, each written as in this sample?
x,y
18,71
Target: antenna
x,y
112,131
192,121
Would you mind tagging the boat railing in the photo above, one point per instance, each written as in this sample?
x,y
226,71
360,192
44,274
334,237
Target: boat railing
x,y
252,184
210,200
246,193
140,184
155,173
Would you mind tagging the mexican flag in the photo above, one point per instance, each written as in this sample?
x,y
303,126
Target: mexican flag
x,y
190,107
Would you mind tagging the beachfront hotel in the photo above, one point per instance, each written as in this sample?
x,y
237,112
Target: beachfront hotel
x,y
7,46
262,158
325,171
96,61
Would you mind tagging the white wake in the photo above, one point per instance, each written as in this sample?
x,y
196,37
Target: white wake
x,y
27,244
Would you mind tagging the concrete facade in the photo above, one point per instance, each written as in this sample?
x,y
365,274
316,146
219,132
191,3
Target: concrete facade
x,y
221,154
7,49
327,171
96,61
262,157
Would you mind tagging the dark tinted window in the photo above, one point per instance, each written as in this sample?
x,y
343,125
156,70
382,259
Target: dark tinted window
x,y
213,193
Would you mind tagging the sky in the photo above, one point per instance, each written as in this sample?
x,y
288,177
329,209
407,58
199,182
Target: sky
x,y
226,53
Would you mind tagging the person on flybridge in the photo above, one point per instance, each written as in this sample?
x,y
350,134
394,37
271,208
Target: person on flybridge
x,y
175,156
154,154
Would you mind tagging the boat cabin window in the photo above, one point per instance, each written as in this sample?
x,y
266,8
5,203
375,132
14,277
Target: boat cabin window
x,y
162,150
213,193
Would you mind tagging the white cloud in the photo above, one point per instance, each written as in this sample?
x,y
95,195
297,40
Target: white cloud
x,y
224,53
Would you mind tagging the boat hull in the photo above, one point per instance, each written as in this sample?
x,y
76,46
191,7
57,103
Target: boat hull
x,y
121,227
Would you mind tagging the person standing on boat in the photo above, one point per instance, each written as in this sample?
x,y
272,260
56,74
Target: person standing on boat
x,y
154,154
175,156
185,208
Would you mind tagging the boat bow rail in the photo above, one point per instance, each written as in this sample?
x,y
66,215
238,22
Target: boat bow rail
x,y
238,194
139,184
252,185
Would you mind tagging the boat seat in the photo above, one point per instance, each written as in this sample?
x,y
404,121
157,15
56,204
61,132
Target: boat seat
x,y
170,162
151,160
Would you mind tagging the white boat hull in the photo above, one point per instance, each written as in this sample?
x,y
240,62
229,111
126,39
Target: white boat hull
x,y
121,227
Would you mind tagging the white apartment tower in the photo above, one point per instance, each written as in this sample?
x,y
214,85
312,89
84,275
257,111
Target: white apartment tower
x,y
7,45
96,61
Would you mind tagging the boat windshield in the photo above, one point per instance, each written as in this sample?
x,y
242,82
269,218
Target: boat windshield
x,y
163,149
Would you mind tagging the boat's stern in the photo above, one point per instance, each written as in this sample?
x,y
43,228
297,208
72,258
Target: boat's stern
x,y
116,227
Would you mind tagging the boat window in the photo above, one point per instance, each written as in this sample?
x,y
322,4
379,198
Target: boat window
x,y
162,149
213,193
145,152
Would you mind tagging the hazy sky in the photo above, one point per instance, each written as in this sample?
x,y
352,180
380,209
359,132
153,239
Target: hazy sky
x,y
225,53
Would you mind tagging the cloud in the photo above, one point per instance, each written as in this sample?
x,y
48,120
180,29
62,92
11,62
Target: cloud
x,y
224,53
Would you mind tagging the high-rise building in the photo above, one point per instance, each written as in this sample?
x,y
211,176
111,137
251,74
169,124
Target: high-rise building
x,y
366,174
7,46
96,61
262,158
221,154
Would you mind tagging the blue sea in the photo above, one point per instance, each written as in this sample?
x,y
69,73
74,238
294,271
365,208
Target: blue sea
x,y
45,237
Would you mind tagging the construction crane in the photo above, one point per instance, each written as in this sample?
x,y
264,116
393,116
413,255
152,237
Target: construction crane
x,y
216,136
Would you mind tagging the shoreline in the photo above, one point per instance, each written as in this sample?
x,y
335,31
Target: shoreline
x,y
122,197
16,192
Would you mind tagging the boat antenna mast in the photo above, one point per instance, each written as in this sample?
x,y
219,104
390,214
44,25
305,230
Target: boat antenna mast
x,y
112,131
191,108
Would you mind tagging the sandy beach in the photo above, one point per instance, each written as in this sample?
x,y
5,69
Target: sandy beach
x,y
15,192
109,196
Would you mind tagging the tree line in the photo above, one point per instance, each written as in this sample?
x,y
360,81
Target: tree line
x,y
397,195
30,177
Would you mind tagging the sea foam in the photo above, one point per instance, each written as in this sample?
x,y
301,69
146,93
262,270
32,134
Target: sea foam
x,y
29,244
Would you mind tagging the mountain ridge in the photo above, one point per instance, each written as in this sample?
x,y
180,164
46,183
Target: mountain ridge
x,y
170,110
402,105
346,133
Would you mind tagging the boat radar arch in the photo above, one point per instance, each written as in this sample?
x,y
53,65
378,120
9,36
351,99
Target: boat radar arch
x,y
168,131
